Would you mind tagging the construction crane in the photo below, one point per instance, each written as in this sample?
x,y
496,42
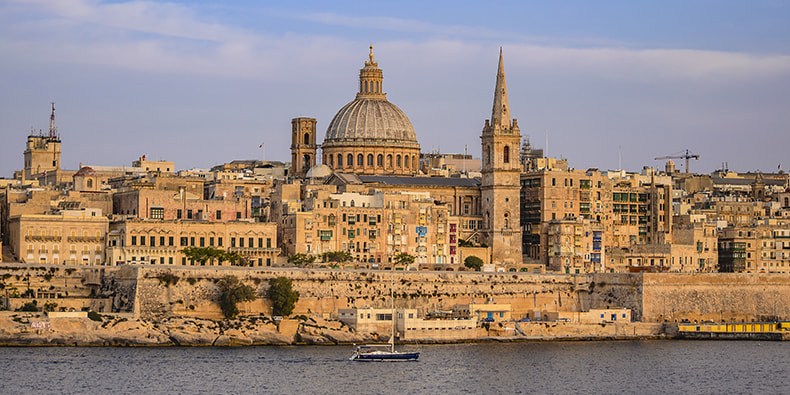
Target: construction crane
x,y
684,155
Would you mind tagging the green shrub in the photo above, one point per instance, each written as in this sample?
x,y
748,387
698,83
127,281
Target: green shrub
x,y
232,291
29,306
94,316
282,295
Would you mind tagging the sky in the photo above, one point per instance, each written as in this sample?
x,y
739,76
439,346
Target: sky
x,y
604,84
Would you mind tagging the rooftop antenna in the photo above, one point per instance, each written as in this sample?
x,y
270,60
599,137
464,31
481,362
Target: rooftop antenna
x,y
547,144
53,130
619,157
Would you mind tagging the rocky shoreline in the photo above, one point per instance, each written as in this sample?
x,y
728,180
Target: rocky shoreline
x,y
36,329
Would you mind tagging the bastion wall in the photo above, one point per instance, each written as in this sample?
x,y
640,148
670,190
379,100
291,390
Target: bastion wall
x,y
151,292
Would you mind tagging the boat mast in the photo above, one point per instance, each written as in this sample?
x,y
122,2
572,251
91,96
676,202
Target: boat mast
x,y
392,301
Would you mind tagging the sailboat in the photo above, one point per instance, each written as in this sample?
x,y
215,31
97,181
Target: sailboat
x,y
384,352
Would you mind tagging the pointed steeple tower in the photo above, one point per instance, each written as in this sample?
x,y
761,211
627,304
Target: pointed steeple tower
x,y
501,170
500,114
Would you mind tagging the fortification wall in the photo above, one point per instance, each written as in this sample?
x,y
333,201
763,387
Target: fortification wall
x,y
152,292
731,297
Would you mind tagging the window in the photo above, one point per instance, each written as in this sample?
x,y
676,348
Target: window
x,y
506,154
170,241
202,241
142,240
134,240
152,239
184,241
238,214
178,214
161,240
219,241
189,214
350,160
360,160
219,215
380,160
370,160
397,161
339,160
157,212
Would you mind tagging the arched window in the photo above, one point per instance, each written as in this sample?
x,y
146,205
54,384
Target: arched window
x,y
367,87
389,161
397,161
378,89
507,220
406,163
306,162
90,183
331,161
370,160
506,154
339,160
360,160
307,139
380,160
352,203
350,160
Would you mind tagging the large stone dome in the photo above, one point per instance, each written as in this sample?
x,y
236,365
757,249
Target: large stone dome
x,y
368,121
370,135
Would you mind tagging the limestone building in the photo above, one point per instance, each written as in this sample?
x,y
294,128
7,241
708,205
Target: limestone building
x,y
139,241
74,237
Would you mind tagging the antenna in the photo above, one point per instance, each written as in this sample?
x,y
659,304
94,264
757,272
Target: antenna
x,y
619,157
53,130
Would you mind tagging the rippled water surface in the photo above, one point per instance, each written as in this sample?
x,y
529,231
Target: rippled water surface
x,y
530,367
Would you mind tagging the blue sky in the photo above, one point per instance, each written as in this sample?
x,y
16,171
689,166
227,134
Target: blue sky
x,y
205,82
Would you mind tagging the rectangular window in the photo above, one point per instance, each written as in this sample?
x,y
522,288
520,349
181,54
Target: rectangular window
x,y
219,215
241,242
211,241
170,260
202,241
134,240
184,241
219,241
161,240
191,241
170,241
189,214
178,214
250,242
142,240
157,212
152,239
238,214
232,242
260,242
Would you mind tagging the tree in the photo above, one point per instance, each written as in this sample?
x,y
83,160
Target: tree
x,y
282,295
336,256
231,292
203,255
473,263
403,259
300,259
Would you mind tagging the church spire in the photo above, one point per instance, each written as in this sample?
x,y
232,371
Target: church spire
x,y
500,114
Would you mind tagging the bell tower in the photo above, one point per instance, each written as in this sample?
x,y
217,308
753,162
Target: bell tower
x,y
501,187
303,146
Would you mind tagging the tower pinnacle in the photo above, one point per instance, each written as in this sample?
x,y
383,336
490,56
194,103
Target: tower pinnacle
x,y
500,114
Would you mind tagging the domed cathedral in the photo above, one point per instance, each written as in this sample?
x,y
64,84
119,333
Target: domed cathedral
x,y
370,135
500,187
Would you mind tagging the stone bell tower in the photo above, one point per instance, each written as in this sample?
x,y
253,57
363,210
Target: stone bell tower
x,y
303,146
501,185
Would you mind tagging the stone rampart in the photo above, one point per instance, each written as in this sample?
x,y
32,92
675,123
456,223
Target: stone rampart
x,y
154,292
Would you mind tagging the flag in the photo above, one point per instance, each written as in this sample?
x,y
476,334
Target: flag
x,y
260,146
780,166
